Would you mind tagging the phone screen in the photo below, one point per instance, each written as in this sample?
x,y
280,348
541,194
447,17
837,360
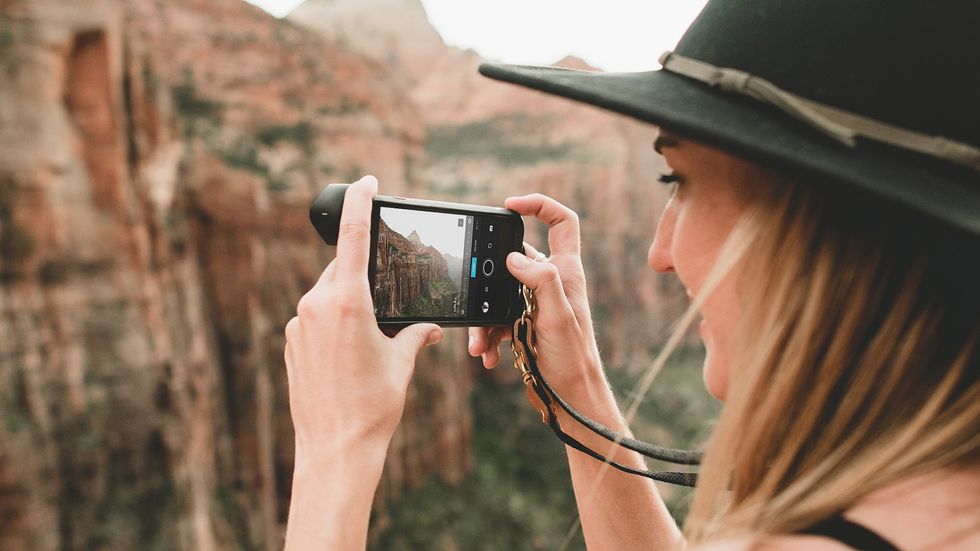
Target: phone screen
x,y
441,265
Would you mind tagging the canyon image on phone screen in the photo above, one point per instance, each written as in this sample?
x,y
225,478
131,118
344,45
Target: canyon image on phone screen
x,y
444,263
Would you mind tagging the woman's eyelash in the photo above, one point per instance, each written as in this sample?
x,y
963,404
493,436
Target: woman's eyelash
x,y
670,178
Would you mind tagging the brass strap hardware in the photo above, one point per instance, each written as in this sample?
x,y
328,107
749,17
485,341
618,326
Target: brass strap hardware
x,y
543,398
524,325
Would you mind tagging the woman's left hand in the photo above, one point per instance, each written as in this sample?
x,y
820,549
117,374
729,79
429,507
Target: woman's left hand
x,y
347,379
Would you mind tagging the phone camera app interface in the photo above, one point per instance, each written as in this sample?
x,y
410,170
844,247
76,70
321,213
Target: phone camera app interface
x,y
423,264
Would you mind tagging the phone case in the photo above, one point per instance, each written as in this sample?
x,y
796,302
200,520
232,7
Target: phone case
x,y
325,217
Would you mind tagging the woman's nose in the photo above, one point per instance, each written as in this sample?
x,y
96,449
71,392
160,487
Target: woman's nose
x,y
659,257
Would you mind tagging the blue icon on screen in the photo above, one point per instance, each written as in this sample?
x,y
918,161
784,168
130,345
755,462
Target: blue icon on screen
x,y
473,267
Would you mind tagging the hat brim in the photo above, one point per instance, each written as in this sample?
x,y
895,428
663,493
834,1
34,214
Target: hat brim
x,y
762,133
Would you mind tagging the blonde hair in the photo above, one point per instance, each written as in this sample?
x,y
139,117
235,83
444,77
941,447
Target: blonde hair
x,y
857,360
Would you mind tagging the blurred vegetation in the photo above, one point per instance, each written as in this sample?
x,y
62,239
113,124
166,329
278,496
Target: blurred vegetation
x,y
233,40
302,134
16,243
510,140
435,299
243,154
519,495
191,104
6,36
345,106
202,117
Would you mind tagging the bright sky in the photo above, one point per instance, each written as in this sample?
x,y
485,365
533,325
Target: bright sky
x,y
614,35
439,229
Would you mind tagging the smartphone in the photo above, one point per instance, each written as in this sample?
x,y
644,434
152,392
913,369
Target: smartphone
x,y
433,261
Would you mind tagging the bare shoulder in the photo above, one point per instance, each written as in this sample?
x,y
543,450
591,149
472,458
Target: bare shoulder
x,y
774,543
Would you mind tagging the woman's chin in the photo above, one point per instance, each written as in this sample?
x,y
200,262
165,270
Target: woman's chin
x,y
715,377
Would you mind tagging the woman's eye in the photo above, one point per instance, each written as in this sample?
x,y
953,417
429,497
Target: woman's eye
x,y
670,178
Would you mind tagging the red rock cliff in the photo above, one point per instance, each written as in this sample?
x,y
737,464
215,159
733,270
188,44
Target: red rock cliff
x,y
156,163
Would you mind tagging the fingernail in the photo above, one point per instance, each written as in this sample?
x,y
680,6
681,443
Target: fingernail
x,y
433,338
469,346
519,260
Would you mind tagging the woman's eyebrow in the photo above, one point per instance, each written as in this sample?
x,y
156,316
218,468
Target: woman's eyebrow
x,y
663,141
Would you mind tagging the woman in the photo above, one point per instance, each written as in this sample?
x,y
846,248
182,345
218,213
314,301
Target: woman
x,y
826,223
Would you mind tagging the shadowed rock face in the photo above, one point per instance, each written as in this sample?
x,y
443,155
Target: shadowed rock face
x,y
156,163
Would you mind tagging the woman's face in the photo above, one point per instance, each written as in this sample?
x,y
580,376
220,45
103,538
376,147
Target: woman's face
x,y
712,191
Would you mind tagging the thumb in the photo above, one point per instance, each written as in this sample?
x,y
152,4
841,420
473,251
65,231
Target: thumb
x,y
414,338
543,278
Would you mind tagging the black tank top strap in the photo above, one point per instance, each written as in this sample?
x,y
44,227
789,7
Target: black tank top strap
x,y
850,534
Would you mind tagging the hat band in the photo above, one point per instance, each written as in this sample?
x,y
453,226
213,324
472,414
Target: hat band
x,y
840,125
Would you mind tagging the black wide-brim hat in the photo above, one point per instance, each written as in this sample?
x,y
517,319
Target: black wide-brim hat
x,y
882,95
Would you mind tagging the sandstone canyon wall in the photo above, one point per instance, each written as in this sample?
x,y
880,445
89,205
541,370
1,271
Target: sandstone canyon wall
x,y
156,162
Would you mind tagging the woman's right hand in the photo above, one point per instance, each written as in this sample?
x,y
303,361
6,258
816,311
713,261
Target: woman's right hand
x,y
569,360
567,353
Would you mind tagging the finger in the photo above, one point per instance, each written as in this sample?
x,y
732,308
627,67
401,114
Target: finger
x,y
414,338
574,286
484,338
492,356
499,335
312,301
328,274
543,278
530,251
479,338
354,239
288,360
563,227
292,332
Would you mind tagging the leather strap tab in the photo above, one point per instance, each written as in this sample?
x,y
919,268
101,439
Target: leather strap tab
x,y
543,398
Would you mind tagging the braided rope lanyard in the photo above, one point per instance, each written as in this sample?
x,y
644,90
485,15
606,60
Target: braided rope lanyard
x,y
544,398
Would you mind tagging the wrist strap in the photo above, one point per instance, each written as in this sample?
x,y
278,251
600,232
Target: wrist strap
x,y
544,398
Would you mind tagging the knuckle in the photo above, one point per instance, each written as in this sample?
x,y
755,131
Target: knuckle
x,y
354,229
421,338
308,308
347,302
549,275
572,216
550,272
554,203
559,323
